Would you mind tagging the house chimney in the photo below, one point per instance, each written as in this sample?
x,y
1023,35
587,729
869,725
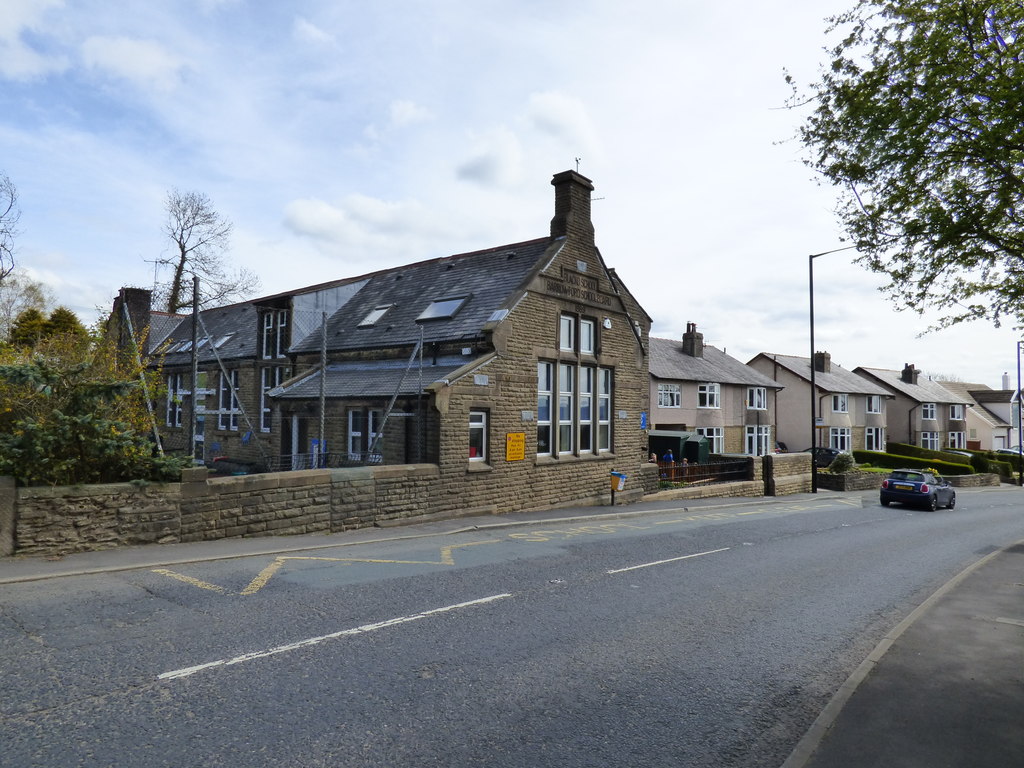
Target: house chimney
x,y
1006,380
693,342
910,374
139,302
823,362
572,207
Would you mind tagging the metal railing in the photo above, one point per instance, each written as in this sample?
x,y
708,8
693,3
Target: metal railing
x,y
727,471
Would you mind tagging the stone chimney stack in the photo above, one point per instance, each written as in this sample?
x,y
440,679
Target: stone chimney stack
x,y
139,302
823,362
572,207
693,342
910,374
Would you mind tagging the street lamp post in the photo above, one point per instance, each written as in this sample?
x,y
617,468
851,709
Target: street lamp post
x,y
814,392
1020,439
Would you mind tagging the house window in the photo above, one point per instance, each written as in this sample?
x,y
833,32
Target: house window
x,y
758,440
757,399
586,434
604,409
669,396
374,315
930,440
275,333
566,407
363,426
587,331
956,412
874,404
270,377
567,333
716,438
928,411
839,438
840,403
228,408
708,396
957,440
174,397
478,436
441,309
873,439
544,394
571,426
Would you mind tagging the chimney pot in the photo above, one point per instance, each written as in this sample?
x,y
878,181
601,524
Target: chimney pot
x,y
823,362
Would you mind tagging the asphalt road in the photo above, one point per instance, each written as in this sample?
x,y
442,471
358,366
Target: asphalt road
x,y
684,638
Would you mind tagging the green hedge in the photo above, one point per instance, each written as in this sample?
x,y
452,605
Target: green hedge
x,y
900,461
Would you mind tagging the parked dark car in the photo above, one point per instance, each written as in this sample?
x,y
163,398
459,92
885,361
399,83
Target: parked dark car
x,y
823,456
917,489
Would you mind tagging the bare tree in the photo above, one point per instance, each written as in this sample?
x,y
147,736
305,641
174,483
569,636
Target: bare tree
x,y
19,292
200,235
9,215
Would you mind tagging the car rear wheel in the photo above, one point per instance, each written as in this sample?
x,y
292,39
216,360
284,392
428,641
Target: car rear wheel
x,y
933,502
885,502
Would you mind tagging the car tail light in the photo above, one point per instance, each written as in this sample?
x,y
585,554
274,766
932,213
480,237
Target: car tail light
x,y
924,488
885,483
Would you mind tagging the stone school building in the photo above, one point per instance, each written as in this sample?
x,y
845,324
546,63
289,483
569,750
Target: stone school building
x,y
520,371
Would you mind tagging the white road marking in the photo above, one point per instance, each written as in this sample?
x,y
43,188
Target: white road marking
x,y
186,671
670,560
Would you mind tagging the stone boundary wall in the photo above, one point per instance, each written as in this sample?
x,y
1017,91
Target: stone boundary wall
x,y
850,481
64,520
787,473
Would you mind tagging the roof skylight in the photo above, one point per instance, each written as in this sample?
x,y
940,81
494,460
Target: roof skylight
x,y
442,308
375,315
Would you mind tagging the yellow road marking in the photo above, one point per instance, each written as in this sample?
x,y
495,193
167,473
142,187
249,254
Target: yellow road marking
x,y
743,514
189,580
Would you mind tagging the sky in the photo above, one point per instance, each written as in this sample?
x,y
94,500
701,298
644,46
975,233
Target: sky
x,y
341,137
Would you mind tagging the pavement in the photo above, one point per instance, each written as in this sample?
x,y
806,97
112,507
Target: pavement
x,y
945,687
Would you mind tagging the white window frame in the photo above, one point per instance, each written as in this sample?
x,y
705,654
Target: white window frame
x,y
545,399
478,435
574,409
956,412
931,441
372,417
588,336
840,438
840,402
567,333
270,376
957,440
175,395
709,395
757,399
228,407
758,439
669,396
874,404
928,411
715,436
874,439
275,330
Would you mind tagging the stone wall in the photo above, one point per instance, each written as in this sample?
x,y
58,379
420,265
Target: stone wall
x,y
787,473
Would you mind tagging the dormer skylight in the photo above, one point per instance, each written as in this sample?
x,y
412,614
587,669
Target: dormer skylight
x,y
441,309
375,315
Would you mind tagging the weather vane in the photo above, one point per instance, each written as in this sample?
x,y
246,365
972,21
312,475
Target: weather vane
x,y
578,164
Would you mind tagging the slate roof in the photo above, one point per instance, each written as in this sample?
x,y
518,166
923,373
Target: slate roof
x,y
838,380
232,329
980,394
668,361
370,378
488,280
925,391
161,325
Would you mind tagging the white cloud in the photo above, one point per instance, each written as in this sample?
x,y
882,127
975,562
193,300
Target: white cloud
x,y
404,112
565,119
145,63
496,159
18,59
305,31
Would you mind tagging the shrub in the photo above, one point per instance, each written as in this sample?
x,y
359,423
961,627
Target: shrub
x,y
842,463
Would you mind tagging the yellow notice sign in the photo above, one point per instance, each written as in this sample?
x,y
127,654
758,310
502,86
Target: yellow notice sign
x,y
515,446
